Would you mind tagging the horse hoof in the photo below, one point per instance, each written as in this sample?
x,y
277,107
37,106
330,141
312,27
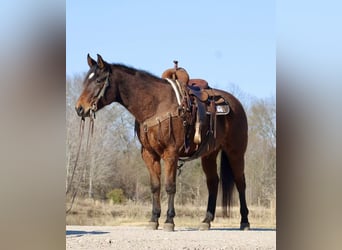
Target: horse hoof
x,y
169,227
204,226
152,225
244,226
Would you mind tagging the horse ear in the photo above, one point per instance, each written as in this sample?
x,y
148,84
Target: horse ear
x,y
91,61
100,62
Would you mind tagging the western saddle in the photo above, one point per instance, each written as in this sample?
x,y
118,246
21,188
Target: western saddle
x,y
197,101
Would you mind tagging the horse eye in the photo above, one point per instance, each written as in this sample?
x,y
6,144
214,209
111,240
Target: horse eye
x,y
98,80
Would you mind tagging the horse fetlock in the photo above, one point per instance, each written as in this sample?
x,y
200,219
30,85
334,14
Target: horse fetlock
x,y
208,217
155,214
245,226
171,213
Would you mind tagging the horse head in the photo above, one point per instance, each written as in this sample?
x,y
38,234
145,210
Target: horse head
x,y
95,85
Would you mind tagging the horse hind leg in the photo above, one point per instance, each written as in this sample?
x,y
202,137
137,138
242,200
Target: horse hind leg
x,y
209,167
241,187
233,169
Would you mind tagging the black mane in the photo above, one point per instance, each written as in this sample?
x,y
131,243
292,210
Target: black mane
x,y
134,71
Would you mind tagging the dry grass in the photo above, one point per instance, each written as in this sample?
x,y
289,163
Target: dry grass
x,y
96,213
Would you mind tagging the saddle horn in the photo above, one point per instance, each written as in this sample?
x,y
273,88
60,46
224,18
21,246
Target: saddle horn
x,y
176,64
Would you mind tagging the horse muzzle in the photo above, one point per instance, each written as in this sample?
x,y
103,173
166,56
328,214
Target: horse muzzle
x,y
81,111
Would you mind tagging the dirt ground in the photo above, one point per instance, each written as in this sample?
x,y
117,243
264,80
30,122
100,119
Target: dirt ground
x,y
138,237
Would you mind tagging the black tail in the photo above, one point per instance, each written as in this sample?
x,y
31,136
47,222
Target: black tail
x,y
227,183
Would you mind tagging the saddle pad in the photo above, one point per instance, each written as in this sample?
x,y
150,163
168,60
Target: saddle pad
x,y
177,89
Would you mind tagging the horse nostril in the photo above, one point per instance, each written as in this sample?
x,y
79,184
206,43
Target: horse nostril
x,y
79,110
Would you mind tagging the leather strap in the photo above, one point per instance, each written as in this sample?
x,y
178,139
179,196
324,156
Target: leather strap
x,y
155,120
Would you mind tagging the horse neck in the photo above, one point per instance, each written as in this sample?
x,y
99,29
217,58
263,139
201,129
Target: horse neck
x,y
140,95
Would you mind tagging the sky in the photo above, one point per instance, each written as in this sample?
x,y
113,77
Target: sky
x,y
223,42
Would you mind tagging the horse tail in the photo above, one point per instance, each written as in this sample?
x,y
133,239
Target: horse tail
x,y
227,183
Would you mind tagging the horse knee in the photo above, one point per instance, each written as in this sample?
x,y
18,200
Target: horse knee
x,y
170,188
155,188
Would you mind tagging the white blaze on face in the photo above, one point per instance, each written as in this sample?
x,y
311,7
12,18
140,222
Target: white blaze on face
x,y
91,75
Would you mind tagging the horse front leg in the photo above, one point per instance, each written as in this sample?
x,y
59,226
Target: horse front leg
x,y
153,164
170,186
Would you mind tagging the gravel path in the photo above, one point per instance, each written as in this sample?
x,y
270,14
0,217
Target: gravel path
x,y
132,237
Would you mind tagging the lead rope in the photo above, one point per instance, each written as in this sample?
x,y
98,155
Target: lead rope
x,y
78,152
90,135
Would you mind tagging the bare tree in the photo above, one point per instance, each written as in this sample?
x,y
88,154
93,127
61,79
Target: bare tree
x,y
261,153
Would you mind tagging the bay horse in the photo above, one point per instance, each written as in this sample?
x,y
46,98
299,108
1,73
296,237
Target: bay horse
x,y
149,98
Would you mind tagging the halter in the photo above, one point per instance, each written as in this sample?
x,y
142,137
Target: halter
x,y
100,95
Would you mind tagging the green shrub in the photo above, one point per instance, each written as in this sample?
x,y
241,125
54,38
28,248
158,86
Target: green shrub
x,y
116,196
